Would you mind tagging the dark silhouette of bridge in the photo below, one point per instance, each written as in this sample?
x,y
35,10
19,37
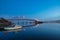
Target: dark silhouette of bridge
x,y
19,21
25,22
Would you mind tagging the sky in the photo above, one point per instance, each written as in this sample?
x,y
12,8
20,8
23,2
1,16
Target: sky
x,y
37,9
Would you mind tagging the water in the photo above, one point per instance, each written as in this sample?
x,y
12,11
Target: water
x,y
41,32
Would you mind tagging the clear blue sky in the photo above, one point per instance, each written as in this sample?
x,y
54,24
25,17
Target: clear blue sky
x,y
40,9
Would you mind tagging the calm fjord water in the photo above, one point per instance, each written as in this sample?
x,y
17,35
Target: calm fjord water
x,y
43,32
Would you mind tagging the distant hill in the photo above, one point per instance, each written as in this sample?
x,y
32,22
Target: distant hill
x,y
55,21
52,21
53,18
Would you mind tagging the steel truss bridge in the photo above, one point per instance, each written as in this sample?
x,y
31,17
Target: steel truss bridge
x,y
24,22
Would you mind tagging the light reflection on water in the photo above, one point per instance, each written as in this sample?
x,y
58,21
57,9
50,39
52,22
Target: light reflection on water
x,y
43,31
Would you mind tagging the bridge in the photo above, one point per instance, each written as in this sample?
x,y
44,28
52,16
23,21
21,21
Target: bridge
x,y
19,21
25,22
